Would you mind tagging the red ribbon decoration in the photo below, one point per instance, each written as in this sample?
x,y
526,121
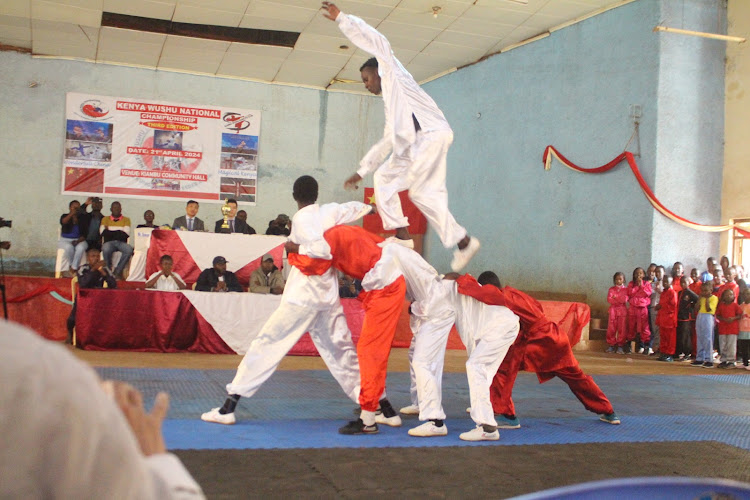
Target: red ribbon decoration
x,y
550,151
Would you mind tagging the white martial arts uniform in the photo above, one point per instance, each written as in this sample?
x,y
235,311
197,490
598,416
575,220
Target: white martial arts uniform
x,y
63,437
417,158
308,304
486,331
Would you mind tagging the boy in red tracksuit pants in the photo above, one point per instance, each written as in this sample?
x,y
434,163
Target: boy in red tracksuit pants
x,y
540,347
666,319
384,290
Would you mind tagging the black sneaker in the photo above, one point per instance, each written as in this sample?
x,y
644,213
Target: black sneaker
x,y
358,427
696,363
708,364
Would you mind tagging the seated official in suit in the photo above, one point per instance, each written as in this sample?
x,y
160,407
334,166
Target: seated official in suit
x,y
166,279
93,274
267,278
189,221
218,279
235,225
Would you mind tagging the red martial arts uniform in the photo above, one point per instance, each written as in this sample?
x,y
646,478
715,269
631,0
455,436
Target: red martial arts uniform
x,y
540,347
639,297
355,252
666,319
617,326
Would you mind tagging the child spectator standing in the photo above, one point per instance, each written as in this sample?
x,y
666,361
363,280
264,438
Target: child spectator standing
x,y
686,300
704,326
639,297
729,315
743,339
657,286
617,326
666,320
696,286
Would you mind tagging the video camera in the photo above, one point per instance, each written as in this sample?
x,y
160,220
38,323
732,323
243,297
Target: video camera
x,y
6,223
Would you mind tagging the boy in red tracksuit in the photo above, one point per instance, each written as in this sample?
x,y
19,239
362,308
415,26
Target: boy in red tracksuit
x,y
384,290
666,319
540,347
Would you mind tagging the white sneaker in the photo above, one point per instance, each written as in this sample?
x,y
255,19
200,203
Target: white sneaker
x,y
394,421
478,434
398,241
649,352
218,418
468,410
640,350
429,429
410,410
462,257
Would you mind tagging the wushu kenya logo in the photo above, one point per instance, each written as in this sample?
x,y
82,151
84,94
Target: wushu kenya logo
x,y
236,121
94,109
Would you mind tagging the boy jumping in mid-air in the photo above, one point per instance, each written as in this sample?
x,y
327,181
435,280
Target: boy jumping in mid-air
x,y
416,136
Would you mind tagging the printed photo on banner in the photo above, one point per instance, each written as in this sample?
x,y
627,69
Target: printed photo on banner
x,y
78,130
239,189
158,149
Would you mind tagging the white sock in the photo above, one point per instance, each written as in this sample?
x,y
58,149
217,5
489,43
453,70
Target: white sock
x,y
368,417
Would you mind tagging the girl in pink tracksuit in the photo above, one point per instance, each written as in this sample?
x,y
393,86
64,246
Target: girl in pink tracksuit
x,y
639,297
617,332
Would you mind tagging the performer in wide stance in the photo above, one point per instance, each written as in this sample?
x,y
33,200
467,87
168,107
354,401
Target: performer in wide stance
x,y
412,153
541,348
308,304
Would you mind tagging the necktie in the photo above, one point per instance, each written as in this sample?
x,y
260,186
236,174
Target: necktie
x,y
190,224
231,226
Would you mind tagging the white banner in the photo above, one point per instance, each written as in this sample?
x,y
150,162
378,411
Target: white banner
x,y
136,148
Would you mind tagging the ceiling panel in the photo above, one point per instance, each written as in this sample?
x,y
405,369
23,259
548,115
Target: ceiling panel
x,y
15,28
250,66
18,8
195,14
155,9
130,47
67,13
323,43
327,60
201,56
305,74
398,30
493,14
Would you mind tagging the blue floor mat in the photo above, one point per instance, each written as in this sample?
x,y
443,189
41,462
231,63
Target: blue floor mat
x,y
303,409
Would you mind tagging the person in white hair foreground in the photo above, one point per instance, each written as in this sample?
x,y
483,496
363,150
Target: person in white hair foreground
x,y
67,435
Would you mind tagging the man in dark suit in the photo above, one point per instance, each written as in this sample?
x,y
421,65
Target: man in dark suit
x,y
218,279
189,221
235,225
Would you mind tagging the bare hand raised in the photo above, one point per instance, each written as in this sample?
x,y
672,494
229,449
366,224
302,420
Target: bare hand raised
x,y
352,182
331,11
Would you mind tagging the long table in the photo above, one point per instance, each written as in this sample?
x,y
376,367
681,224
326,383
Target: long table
x,y
193,252
183,321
